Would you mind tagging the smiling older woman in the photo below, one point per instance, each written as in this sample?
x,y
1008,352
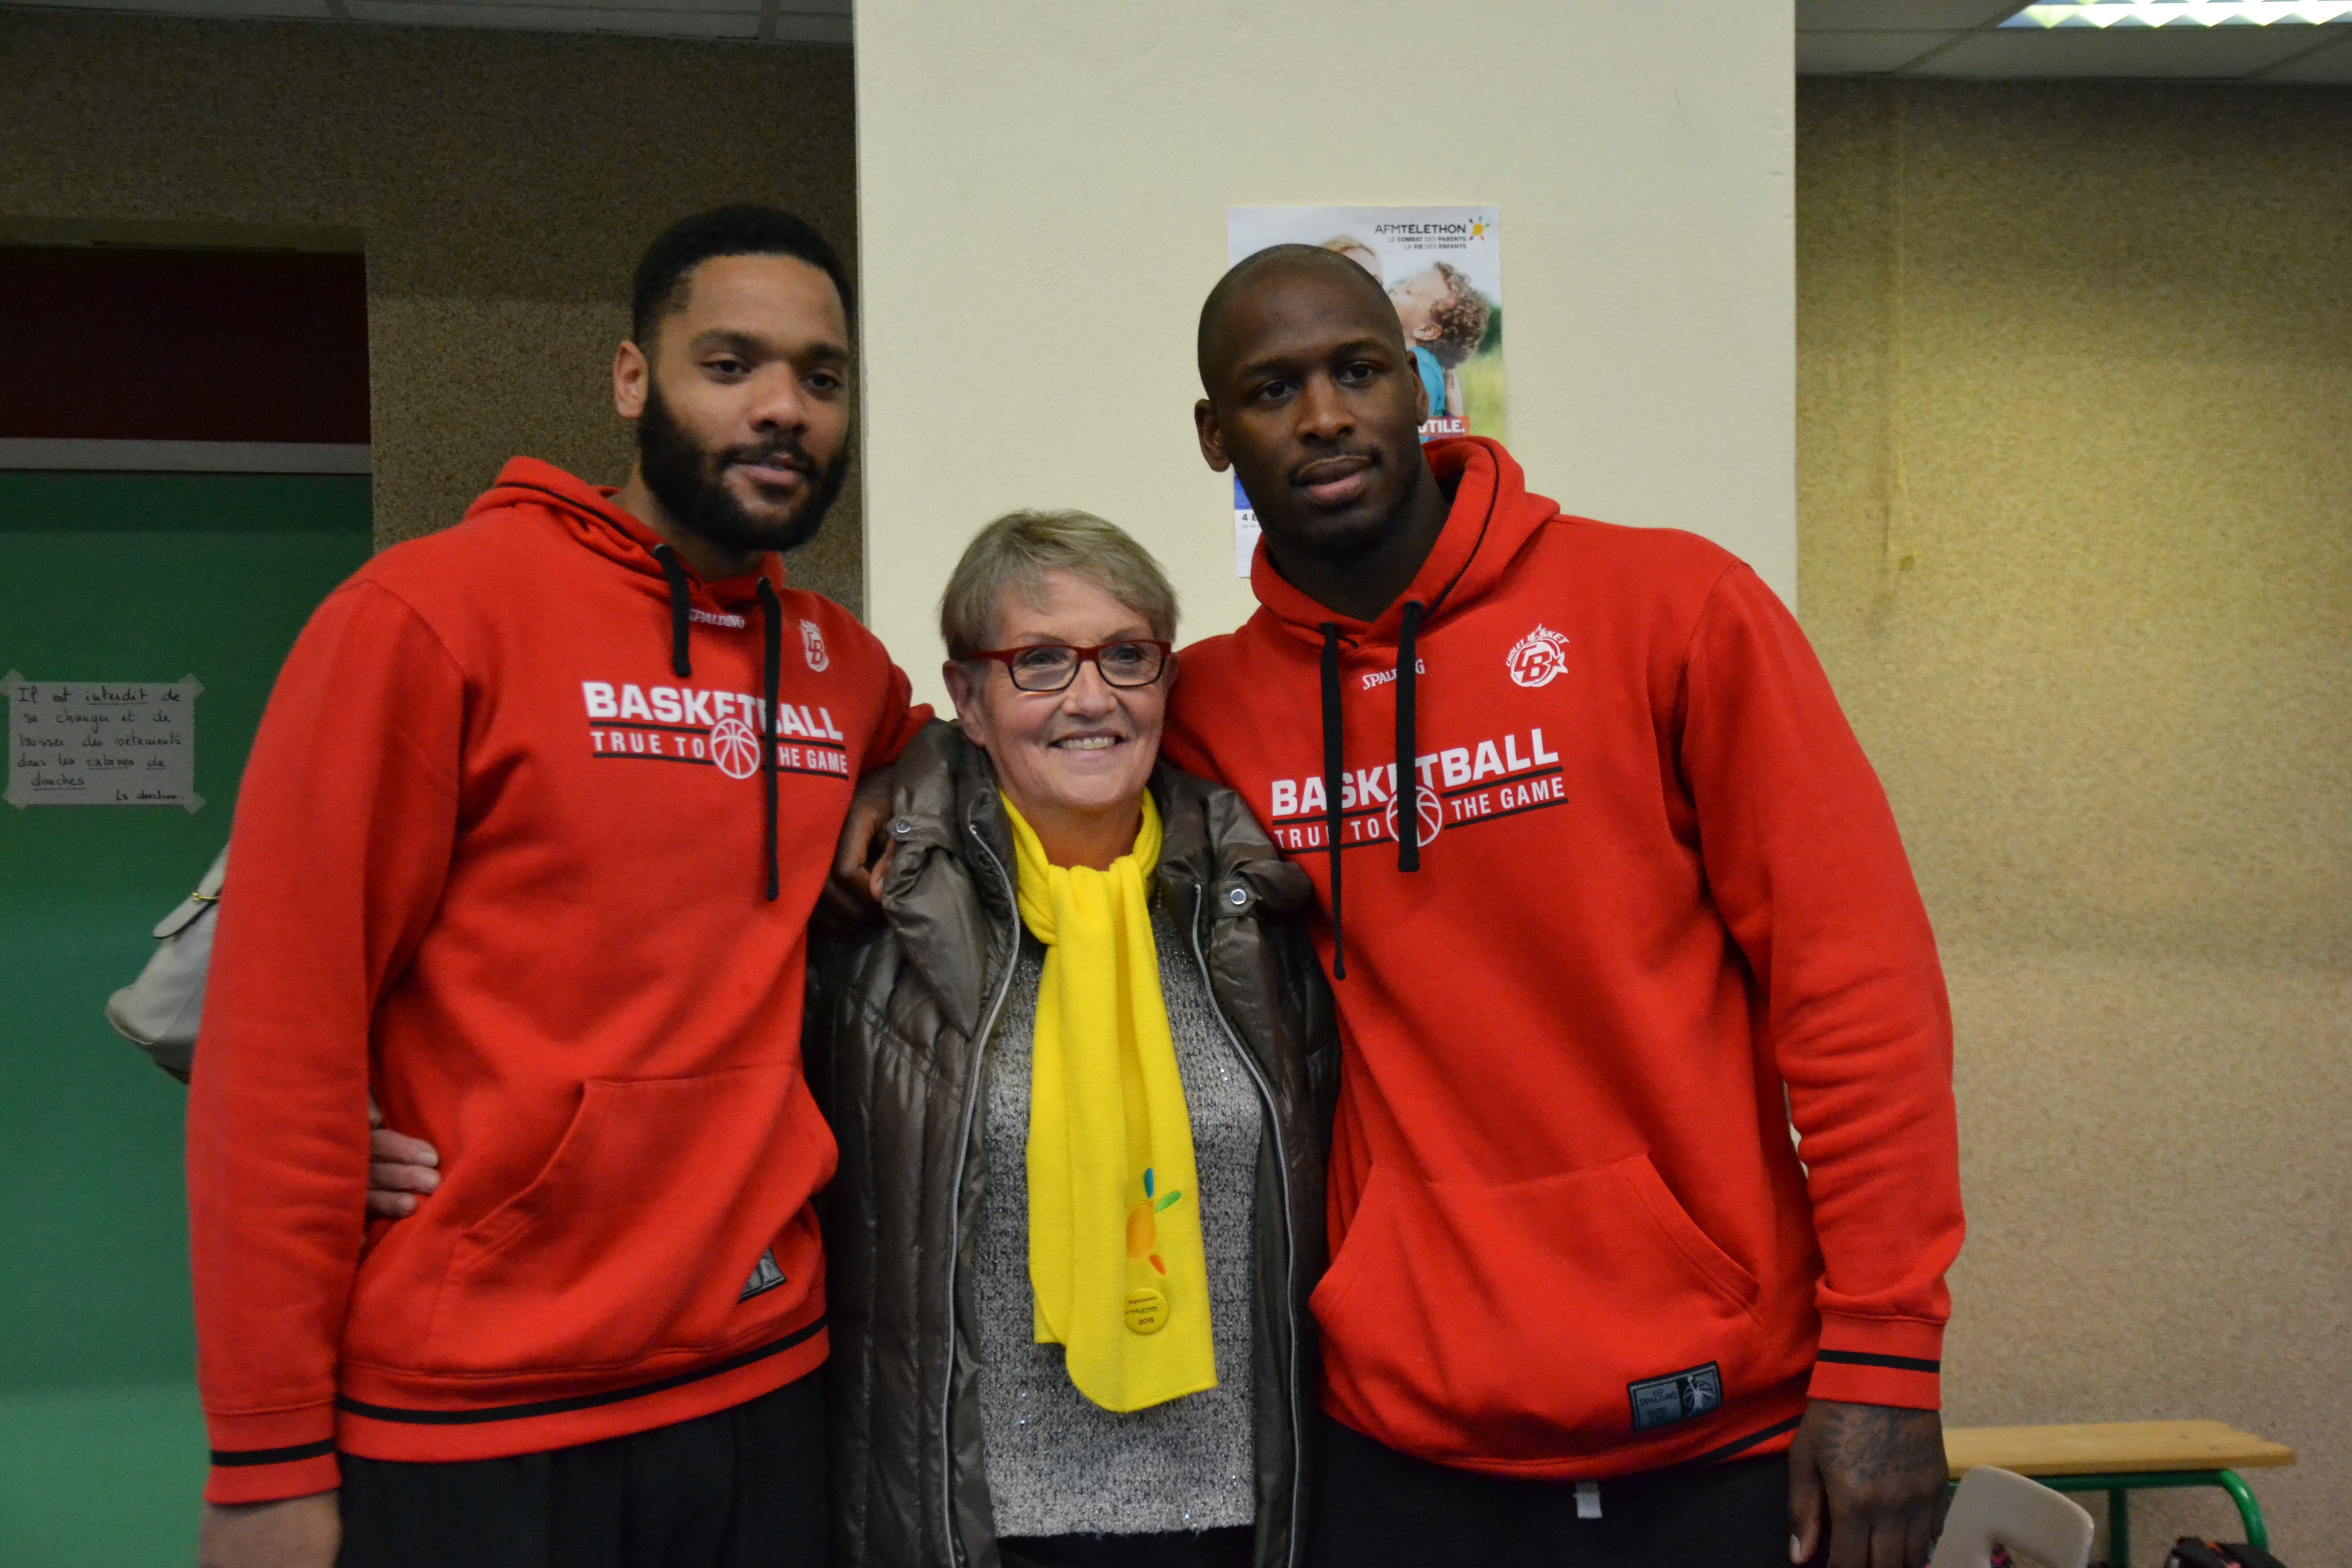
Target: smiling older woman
x,y
1080,1077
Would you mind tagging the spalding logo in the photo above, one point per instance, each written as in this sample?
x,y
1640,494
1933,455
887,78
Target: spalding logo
x,y
812,646
1538,659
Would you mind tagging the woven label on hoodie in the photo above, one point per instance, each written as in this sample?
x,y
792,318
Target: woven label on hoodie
x,y
1678,1396
765,1277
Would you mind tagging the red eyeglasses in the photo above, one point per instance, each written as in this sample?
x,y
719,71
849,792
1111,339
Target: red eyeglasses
x,y
1051,667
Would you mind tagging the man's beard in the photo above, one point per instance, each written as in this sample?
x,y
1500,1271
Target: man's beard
x,y
690,483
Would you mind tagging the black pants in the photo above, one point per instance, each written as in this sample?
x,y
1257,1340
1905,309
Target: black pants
x,y
1375,1508
1169,1549
738,1488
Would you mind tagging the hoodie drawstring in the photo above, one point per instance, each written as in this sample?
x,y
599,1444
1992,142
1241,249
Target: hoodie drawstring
x,y
1335,768
1334,774
771,675
679,665
1408,770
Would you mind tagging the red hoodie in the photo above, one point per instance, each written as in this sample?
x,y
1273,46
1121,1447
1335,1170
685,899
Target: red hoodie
x,y
500,855
1659,888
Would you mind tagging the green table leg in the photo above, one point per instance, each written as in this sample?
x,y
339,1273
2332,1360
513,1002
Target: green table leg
x,y
2120,1487
2250,1512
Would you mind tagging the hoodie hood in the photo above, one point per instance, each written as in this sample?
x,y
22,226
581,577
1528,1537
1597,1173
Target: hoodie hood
x,y
1491,521
590,515
587,513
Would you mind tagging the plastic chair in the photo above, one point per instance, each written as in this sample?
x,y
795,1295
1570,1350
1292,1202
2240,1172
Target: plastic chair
x,y
2002,1508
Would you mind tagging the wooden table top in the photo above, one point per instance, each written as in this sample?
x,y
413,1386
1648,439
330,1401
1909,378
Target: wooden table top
x,y
2109,1448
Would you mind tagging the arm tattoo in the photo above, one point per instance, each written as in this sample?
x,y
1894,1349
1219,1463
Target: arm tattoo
x,y
1871,1444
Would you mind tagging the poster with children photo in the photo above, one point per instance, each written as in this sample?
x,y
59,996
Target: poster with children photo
x,y
1442,268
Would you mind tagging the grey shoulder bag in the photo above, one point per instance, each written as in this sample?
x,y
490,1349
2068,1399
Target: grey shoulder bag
x,y
159,1011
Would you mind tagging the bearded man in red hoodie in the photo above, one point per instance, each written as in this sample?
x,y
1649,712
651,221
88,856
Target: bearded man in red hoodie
x,y
1614,903
529,842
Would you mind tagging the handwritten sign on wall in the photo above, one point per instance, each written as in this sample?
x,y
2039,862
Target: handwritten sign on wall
x,y
102,742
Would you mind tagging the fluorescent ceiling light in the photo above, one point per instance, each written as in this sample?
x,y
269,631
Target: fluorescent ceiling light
x,y
2167,13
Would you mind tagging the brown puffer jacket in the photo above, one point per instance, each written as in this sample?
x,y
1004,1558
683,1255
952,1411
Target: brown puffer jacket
x,y
897,1024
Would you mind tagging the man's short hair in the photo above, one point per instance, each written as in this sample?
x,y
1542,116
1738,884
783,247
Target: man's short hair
x,y
1017,550
745,230
1460,317
1312,259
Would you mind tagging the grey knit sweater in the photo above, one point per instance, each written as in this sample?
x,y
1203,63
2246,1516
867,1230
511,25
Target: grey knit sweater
x,y
1058,1463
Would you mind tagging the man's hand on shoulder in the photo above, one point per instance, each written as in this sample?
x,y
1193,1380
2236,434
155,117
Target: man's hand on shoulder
x,y
851,894
1880,1469
298,1532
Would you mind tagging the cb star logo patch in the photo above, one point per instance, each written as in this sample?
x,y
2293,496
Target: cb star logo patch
x,y
812,646
1538,659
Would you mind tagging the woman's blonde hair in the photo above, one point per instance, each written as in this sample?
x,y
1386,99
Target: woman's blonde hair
x,y
1017,550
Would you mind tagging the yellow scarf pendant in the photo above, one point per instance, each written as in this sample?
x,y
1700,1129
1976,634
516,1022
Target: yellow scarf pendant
x,y
1146,1303
1115,1252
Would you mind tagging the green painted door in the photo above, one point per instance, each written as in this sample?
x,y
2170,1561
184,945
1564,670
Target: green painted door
x,y
122,577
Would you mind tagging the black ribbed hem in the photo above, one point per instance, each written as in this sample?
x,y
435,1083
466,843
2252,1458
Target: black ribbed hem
x,y
1869,1358
234,1458
1739,1445
577,1402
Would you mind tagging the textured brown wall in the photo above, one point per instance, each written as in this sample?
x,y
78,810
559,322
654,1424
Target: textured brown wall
x,y
2074,433
502,184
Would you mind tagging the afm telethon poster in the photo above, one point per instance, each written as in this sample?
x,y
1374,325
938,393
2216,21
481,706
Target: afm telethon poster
x,y
1443,266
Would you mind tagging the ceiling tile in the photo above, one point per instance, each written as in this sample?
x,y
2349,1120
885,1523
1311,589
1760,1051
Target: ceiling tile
x,y
1862,53
1898,15
589,7
737,21
811,27
2185,52
315,10
2333,63
793,22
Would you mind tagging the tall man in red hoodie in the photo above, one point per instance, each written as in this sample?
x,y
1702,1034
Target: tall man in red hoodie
x,y
528,842
1613,900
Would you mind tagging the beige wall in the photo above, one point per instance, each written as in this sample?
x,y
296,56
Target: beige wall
x,y
501,183
2074,433
2074,376
1043,195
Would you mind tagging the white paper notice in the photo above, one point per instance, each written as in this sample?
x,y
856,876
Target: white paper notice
x,y
102,742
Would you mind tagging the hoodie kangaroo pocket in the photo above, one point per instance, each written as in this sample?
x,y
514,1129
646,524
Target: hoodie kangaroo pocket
x,y
639,1233
1511,1322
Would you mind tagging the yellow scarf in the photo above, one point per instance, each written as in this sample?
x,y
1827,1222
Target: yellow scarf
x,y
1114,1200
